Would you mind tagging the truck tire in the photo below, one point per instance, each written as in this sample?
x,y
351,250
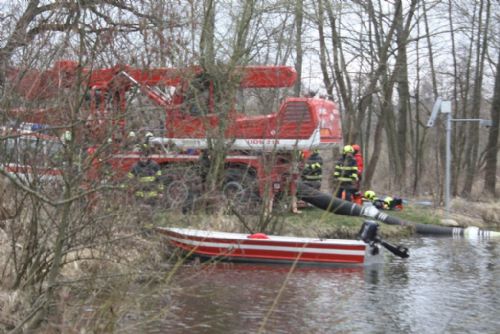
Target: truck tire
x,y
241,190
177,192
179,182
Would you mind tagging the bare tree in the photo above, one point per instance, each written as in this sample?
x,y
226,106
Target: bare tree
x,y
490,175
472,148
58,221
299,14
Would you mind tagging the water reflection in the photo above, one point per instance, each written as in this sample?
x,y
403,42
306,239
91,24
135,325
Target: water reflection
x,y
445,286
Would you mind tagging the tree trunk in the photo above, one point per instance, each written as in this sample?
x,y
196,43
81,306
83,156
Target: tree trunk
x,y
404,102
375,156
299,15
18,37
323,59
207,47
490,175
454,159
472,150
341,80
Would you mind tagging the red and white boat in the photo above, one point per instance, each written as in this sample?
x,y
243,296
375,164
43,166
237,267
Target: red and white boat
x,y
259,247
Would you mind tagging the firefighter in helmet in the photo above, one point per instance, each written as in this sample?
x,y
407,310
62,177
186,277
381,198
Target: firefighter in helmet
x,y
148,140
359,159
147,137
371,197
313,170
145,177
393,203
131,142
66,137
387,203
346,173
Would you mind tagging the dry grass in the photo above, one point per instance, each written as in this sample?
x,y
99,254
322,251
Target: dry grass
x,y
121,257
484,214
9,301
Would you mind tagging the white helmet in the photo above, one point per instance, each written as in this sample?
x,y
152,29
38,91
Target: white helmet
x,y
66,136
131,134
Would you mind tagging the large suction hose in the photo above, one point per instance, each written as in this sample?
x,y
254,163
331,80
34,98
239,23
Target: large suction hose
x,y
337,206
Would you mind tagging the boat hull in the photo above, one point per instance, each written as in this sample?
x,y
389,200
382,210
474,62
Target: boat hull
x,y
260,248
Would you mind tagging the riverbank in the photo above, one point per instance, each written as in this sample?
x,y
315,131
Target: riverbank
x,y
132,259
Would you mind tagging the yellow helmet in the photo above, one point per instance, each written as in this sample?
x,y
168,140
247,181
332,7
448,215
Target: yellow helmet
x,y
388,200
348,149
370,194
145,149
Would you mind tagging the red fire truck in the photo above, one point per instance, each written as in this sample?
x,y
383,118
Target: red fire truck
x,y
260,148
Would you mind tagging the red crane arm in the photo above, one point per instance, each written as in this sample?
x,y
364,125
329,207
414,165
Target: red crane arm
x,y
34,84
103,78
251,76
267,76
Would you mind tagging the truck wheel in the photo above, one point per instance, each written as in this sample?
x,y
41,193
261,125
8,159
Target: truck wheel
x,y
240,189
178,183
177,192
232,188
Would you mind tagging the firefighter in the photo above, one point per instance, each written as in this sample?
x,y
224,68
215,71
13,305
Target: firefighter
x,y
147,138
391,203
370,197
388,203
359,160
145,177
66,137
346,173
60,158
313,170
130,143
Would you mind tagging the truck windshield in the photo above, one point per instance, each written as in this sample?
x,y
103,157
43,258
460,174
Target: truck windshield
x,y
30,151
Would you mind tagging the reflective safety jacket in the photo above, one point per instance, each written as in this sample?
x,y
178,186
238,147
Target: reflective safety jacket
x,y
346,170
147,177
313,168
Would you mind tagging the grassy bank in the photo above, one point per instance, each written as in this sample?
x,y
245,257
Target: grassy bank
x,y
311,222
316,222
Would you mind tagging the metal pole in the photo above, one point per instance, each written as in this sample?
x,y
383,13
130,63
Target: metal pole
x,y
448,164
445,108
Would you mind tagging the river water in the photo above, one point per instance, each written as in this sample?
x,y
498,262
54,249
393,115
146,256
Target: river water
x,y
446,286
